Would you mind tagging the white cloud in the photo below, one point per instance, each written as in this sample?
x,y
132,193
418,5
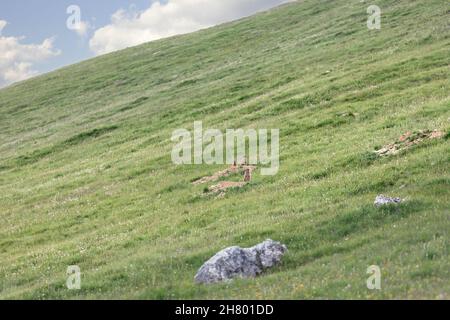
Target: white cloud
x,y
17,59
161,20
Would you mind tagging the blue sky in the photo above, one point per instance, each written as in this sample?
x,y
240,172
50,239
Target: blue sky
x,y
34,36
37,20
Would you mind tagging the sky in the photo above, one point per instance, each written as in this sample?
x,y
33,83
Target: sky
x,y
38,36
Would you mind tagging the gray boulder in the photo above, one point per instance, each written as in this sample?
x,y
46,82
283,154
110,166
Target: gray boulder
x,y
383,200
236,262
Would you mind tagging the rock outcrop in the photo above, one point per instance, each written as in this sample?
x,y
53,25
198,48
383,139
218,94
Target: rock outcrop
x,y
236,262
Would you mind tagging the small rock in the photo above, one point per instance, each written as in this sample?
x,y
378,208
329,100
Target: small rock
x,y
236,262
383,200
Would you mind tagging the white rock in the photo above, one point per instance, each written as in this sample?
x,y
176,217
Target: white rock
x,y
382,200
235,262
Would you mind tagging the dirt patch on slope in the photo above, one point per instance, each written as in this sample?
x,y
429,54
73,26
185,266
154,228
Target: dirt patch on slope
x,y
408,140
225,185
234,169
221,188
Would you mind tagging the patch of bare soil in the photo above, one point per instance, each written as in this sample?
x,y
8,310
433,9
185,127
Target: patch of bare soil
x,y
216,176
408,140
221,188
234,169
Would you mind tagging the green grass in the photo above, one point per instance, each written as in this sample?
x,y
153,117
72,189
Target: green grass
x,y
86,176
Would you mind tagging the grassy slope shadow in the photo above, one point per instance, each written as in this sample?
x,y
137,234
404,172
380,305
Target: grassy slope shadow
x,y
320,240
73,141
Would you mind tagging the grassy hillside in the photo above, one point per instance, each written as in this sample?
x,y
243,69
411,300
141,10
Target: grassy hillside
x,y
86,176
